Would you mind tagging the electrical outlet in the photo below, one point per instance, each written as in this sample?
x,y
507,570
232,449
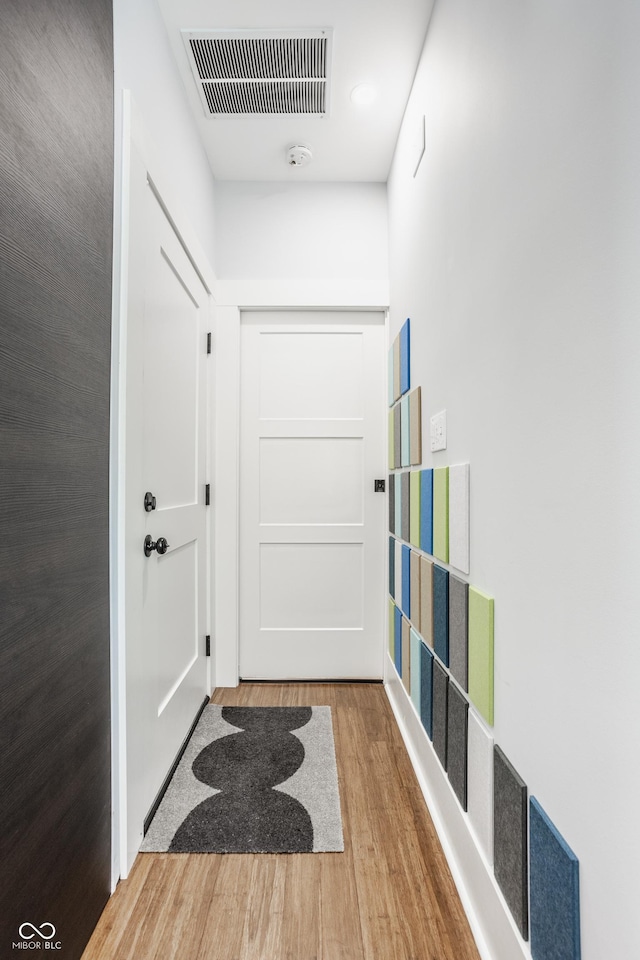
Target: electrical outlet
x,y
439,431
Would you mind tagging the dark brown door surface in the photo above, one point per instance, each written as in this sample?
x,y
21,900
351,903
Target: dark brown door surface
x,y
56,176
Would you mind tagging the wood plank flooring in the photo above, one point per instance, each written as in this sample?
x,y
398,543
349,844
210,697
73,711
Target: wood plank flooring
x,y
389,896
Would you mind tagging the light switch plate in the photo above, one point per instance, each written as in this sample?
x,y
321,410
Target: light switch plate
x,y
439,431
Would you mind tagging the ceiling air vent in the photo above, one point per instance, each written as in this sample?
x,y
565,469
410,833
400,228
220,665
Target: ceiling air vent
x,y
258,72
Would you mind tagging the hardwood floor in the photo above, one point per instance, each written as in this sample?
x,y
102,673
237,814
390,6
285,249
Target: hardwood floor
x,y
389,896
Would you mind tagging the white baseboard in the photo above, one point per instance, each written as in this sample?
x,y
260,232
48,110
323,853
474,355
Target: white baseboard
x,y
491,923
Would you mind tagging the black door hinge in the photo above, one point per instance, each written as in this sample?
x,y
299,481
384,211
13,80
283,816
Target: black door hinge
x,y
208,343
207,645
207,495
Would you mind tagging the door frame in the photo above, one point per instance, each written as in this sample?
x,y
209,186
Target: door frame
x,y
227,471
132,134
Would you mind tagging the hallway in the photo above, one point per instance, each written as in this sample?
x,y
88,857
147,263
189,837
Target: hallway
x,y
390,896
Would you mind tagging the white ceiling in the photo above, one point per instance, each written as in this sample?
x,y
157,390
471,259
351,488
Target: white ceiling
x,y
374,41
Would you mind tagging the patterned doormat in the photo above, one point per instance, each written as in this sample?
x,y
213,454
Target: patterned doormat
x,y
247,783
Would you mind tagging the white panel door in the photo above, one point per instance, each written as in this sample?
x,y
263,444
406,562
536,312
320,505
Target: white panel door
x,y
166,431
312,527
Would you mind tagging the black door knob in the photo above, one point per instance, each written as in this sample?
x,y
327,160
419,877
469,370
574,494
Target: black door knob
x,y
150,545
149,501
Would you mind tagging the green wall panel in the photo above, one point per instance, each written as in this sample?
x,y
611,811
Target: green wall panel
x,y
481,652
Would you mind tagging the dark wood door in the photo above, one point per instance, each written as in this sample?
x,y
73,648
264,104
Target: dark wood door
x,y
56,177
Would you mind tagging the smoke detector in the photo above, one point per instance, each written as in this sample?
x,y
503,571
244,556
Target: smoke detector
x,y
299,156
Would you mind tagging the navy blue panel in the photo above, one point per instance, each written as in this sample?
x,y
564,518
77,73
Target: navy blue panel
x,y
426,511
392,567
457,717
440,698
510,860
406,581
441,613
426,689
554,890
398,639
392,502
405,358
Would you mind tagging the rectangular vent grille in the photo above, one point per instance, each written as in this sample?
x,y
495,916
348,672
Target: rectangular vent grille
x,y
290,97
248,72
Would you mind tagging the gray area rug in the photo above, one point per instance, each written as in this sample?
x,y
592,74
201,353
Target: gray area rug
x,y
253,780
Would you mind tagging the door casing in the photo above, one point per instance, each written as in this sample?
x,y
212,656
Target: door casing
x,y
227,473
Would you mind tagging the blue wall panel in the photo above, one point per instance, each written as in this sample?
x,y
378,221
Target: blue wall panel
x,y
426,511
392,567
554,890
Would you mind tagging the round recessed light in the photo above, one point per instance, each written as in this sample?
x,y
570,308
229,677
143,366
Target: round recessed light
x,y
363,94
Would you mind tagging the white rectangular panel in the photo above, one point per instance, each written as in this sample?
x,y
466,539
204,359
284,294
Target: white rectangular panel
x,y
171,413
175,641
311,586
311,375
459,516
311,480
480,783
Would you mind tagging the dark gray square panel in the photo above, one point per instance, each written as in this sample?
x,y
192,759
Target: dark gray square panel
x,y
457,714
458,630
392,503
440,697
510,838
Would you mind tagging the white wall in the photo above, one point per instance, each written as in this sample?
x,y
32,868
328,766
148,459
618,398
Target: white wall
x,y
515,252
144,64
281,245
302,244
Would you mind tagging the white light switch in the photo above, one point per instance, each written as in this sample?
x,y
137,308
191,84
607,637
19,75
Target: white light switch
x,y
439,431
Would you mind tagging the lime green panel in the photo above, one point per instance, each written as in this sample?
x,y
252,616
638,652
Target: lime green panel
x,y
392,448
414,507
441,513
481,652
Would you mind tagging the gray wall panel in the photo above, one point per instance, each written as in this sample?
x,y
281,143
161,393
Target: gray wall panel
x,y
56,198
